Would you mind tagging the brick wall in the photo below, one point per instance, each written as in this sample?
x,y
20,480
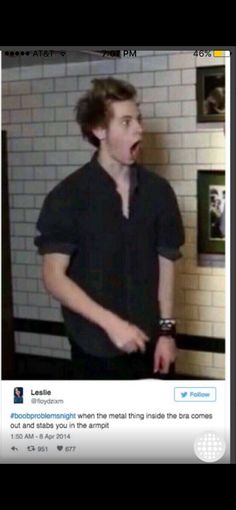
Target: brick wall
x,y
44,146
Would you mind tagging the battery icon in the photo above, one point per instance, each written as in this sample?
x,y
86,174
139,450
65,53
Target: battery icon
x,y
221,53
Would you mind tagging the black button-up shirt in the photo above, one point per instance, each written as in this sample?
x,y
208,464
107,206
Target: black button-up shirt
x,y
114,259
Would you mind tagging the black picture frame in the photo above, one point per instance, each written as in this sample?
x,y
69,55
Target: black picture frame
x,y
211,94
211,202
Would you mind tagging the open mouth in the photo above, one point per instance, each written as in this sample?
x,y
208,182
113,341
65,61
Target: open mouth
x,y
134,149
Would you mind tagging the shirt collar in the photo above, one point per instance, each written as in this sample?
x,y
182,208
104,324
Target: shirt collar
x,y
134,174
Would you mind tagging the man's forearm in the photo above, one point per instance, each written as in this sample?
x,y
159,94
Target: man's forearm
x,y
69,294
165,351
166,287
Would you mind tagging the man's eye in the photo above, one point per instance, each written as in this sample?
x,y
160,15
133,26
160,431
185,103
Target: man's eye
x,y
126,122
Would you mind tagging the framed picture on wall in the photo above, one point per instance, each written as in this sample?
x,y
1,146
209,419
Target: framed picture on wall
x,y
211,198
211,94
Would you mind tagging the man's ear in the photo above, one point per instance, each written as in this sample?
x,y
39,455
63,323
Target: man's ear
x,y
99,132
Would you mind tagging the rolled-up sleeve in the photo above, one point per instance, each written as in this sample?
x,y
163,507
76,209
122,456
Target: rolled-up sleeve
x,y
170,230
56,226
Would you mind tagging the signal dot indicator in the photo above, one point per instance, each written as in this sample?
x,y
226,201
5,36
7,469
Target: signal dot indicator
x,y
16,53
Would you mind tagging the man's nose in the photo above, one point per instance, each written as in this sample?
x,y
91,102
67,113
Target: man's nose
x,y
139,128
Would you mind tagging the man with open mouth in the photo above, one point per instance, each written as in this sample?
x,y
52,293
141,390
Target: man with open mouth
x,y
110,234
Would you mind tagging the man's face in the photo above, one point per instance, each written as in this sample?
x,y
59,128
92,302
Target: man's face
x,y
124,132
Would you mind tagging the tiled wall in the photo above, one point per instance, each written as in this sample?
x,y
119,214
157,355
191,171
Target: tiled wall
x,y
44,146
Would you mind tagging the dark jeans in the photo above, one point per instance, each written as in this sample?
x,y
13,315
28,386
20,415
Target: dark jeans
x,y
126,366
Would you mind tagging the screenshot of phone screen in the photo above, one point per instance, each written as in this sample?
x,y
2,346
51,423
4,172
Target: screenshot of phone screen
x,y
117,255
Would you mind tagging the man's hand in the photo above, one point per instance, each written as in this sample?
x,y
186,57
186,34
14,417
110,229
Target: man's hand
x,y
126,336
165,353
